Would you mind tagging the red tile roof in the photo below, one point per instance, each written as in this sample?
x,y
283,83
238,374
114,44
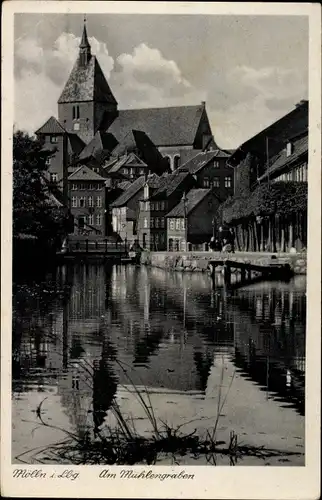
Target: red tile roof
x,y
52,126
87,83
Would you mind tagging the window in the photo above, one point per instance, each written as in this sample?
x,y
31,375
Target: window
x,y
147,205
176,162
125,171
96,170
216,182
74,201
98,220
53,177
99,201
228,182
206,182
76,126
162,205
178,223
152,222
157,222
152,207
141,171
90,201
146,191
162,238
156,238
216,164
76,113
91,220
157,206
171,223
132,172
145,224
48,161
289,149
182,224
74,187
82,187
54,139
82,201
162,221
99,186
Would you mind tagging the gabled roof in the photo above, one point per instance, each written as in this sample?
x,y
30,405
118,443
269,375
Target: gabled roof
x,y
300,148
193,198
127,161
87,83
99,147
83,173
274,135
76,144
124,185
199,161
52,126
165,126
169,183
133,189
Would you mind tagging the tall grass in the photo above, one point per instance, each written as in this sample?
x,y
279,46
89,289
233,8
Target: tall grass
x,y
122,444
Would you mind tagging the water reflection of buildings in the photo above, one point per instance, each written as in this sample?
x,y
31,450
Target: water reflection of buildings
x,y
161,329
269,337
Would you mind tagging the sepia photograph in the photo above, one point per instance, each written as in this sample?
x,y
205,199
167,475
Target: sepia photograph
x,y
160,234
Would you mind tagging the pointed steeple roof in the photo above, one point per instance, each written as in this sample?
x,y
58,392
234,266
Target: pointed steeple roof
x,y
84,41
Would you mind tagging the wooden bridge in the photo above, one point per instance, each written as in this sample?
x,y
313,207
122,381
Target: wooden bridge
x,y
102,248
249,272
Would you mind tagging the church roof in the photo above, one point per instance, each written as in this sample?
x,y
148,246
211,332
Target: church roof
x,y
84,173
165,126
87,83
52,126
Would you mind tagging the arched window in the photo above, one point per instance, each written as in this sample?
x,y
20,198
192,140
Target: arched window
x,y
176,162
168,160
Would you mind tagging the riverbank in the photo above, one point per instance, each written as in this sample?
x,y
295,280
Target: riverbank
x,y
198,261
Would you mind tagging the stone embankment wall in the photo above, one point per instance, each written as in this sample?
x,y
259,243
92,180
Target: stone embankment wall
x,y
198,261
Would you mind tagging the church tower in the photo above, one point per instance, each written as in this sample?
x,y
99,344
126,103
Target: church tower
x,y
87,99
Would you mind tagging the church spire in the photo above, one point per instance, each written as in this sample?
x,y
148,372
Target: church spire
x,y
84,47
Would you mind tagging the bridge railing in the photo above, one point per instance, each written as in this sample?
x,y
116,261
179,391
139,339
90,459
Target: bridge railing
x,y
97,246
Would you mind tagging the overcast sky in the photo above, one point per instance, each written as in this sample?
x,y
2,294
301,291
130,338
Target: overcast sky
x,y
249,70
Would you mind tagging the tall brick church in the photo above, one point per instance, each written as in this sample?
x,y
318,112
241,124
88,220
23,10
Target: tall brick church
x,y
90,125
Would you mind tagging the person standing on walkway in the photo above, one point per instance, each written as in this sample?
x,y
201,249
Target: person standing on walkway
x,y
232,239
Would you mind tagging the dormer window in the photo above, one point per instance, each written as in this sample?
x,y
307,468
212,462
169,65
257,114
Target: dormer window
x,y
54,139
289,149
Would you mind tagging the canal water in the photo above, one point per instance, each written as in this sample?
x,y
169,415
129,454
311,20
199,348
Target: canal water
x,y
86,335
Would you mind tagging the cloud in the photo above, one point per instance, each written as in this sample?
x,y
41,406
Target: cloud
x,y
258,97
240,101
40,75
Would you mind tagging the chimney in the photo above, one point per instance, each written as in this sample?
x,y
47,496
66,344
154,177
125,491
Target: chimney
x,y
203,104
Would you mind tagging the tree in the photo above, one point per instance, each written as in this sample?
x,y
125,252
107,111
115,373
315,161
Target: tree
x,y
36,211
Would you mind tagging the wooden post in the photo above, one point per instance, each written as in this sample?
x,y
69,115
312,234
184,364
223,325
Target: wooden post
x,y
227,273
